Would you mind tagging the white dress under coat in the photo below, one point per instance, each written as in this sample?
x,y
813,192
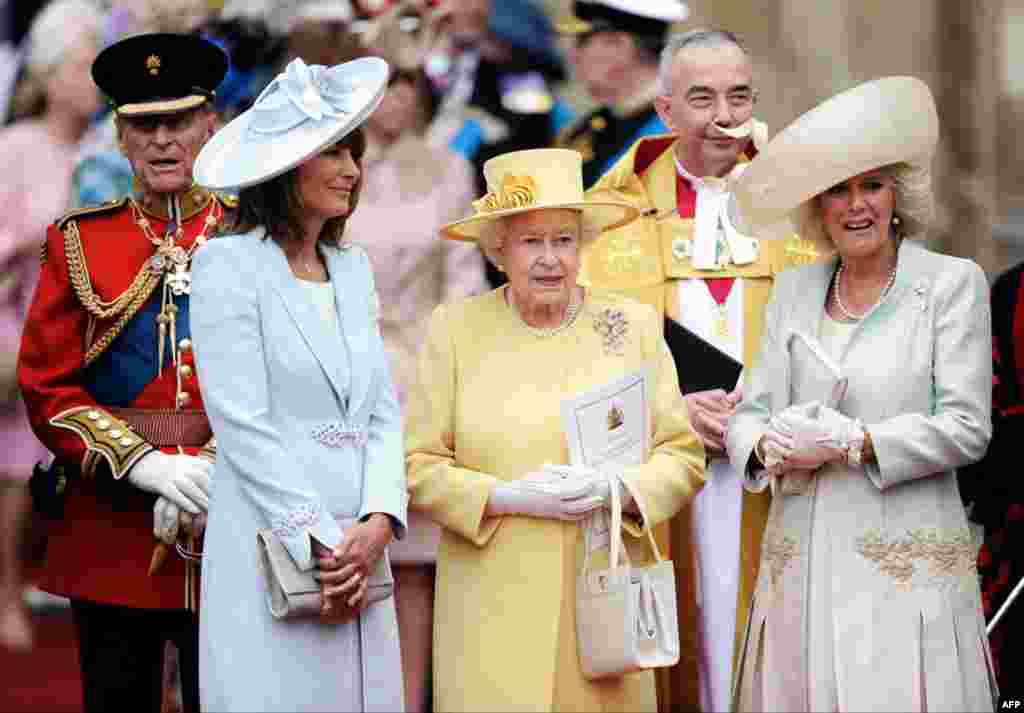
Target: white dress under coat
x,y
867,596
279,385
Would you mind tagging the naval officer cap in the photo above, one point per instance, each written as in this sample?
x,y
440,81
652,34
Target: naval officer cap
x,y
159,73
650,18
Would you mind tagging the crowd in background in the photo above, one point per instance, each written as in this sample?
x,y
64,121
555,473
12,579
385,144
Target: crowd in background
x,y
471,80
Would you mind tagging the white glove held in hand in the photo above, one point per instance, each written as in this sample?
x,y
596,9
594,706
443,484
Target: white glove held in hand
x,y
820,434
601,483
774,448
184,480
166,520
546,495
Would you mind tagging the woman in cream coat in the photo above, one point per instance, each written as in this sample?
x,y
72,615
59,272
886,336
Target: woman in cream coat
x,y
486,419
867,597
296,381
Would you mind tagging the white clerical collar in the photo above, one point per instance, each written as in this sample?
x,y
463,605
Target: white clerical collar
x,y
707,180
712,227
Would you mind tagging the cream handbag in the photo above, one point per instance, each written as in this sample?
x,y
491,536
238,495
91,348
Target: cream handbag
x,y
626,617
293,594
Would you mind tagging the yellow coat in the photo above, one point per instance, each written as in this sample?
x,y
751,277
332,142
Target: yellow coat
x,y
638,260
487,408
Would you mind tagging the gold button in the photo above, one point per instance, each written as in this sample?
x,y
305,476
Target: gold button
x,y
103,424
184,399
115,433
185,345
598,123
93,415
186,371
126,441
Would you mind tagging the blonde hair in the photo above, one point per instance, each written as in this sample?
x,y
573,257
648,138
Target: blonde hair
x,y
493,233
914,205
54,33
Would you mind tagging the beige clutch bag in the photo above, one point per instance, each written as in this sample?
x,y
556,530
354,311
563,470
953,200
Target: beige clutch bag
x,y
292,593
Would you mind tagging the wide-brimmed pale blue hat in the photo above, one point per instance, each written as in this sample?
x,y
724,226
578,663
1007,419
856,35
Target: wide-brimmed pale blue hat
x,y
302,111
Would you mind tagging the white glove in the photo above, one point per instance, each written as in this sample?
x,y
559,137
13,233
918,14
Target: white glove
x,y
773,448
820,434
169,520
166,520
545,495
184,480
601,483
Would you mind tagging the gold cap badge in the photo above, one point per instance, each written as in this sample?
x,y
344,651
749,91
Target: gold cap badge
x,y
153,64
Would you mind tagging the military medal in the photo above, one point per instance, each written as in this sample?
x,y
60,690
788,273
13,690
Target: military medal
x,y
722,322
172,262
719,288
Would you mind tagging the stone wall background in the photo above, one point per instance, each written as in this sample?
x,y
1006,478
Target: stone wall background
x,y
970,53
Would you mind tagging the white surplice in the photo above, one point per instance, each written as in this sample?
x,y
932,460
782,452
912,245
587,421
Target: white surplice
x,y
717,509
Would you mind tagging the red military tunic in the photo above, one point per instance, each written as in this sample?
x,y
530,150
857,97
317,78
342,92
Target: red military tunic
x,y
88,368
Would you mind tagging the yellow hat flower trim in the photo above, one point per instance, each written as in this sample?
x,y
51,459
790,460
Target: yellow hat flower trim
x,y
516,192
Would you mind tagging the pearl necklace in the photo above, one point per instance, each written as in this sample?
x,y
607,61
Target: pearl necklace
x,y
571,312
850,316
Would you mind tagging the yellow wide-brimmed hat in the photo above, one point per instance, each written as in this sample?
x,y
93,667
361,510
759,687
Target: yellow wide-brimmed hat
x,y
521,181
879,123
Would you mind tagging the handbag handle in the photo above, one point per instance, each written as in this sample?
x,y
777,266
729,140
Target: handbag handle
x,y
618,547
646,522
618,550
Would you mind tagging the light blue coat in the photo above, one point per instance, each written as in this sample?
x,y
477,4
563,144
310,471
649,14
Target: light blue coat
x,y
281,390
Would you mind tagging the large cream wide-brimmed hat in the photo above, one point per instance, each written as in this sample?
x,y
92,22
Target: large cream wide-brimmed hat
x,y
521,181
302,111
879,123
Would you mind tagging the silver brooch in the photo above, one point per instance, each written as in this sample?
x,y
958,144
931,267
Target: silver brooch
x,y
612,325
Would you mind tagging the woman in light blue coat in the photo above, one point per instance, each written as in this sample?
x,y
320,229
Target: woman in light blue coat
x,y
300,396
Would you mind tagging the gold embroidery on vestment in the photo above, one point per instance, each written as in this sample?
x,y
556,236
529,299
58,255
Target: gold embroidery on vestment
x,y
800,251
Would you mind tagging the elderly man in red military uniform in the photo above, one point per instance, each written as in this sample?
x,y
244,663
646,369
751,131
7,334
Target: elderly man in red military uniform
x,y
107,373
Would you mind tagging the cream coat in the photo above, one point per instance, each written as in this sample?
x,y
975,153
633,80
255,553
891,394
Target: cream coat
x,y
487,408
867,596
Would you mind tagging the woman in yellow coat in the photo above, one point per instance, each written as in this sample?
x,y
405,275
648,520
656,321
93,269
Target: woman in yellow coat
x,y
484,421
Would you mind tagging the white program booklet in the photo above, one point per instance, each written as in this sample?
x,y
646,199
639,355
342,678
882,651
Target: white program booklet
x,y
610,427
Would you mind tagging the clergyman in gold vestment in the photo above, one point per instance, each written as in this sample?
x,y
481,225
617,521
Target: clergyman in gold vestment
x,y
684,258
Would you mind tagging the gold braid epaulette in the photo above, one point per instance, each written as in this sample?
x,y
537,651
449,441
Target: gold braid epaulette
x,y
90,210
123,307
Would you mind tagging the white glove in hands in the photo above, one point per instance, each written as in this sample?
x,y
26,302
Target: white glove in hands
x,y
169,520
774,448
820,434
184,480
166,520
546,495
601,483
